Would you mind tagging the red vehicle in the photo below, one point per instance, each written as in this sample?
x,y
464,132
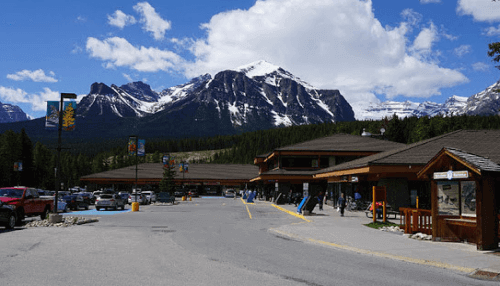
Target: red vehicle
x,y
26,202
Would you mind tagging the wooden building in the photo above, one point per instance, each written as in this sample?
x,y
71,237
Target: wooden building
x,y
460,209
200,176
287,168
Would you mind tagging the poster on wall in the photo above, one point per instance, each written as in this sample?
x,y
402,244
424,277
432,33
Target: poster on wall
x,y
448,203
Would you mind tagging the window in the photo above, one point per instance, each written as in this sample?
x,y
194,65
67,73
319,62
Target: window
x,y
457,198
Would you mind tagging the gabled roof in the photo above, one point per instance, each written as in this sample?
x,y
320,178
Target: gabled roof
x,y
483,143
154,171
343,142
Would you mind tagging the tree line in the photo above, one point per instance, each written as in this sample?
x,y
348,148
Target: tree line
x,y
39,160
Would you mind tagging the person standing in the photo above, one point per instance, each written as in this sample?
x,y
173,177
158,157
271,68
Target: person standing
x,y
341,204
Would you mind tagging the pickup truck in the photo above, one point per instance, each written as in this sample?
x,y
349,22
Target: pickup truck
x,y
26,202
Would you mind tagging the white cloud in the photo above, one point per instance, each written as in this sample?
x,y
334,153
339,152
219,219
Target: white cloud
x,y
118,52
38,102
429,1
127,77
492,31
462,50
120,19
152,21
36,76
480,66
480,10
330,44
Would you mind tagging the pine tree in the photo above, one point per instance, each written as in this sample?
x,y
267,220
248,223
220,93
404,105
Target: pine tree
x,y
167,182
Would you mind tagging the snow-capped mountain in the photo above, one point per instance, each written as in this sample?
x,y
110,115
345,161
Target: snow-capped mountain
x,y
12,113
487,102
253,97
454,105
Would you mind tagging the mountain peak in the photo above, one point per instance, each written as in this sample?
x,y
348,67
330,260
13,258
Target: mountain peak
x,y
258,68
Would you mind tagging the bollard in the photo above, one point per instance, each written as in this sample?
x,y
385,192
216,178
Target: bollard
x,y
135,207
190,198
183,198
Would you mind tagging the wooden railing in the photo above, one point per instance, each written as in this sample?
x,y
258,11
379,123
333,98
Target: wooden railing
x,y
415,220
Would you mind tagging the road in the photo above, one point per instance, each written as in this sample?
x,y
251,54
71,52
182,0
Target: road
x,y
207,241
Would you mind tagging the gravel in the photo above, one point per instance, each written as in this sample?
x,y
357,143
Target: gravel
x,y
68,221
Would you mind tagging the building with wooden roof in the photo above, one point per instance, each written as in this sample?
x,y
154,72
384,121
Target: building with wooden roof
x,y
287,168
456,177
198,175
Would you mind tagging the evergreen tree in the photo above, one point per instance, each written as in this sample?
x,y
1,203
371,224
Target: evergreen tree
x,y
167,183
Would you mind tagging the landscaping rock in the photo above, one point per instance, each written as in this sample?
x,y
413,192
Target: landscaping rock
x,y
67,221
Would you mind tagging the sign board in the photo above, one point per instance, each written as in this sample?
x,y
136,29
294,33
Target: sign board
x,y
450,175
354,179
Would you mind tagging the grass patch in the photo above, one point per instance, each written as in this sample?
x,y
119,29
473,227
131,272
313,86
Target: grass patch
x,y
378,224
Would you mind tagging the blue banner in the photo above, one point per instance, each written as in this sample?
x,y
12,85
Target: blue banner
x,y
52,116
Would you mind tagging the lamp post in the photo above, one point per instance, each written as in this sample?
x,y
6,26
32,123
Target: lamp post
x,y
59,143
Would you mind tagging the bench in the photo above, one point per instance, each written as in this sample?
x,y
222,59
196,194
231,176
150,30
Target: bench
x,y
388,212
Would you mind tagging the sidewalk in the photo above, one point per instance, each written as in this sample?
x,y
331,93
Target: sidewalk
x,y
349,233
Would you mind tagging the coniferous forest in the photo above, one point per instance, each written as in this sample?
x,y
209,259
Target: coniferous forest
x,y
39,160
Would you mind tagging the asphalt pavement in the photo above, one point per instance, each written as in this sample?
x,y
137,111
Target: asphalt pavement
x,y
329,229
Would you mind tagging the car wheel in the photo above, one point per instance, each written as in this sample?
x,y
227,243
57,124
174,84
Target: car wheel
x,y
65,209
12,221
20,216
86,207
123,207
97,208
45,214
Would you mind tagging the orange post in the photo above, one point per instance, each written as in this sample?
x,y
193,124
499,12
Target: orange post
x,y
374,204
384,212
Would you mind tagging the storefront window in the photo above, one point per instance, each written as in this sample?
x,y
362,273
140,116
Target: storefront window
x,y
448,203
468,198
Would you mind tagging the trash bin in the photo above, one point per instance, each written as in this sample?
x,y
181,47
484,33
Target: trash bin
x,y
135,206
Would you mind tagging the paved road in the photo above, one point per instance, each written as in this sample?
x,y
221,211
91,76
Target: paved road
x,y
208,241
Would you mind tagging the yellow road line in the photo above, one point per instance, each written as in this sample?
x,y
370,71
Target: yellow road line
x,y
381,254
249,214
246,202
291,213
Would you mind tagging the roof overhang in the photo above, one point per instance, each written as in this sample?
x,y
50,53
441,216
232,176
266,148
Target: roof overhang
x,y
374,169
441,158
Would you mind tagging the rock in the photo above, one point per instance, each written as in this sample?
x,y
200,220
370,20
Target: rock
x,y
67,221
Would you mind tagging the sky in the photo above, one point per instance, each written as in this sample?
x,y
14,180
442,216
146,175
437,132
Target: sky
x,y
371,51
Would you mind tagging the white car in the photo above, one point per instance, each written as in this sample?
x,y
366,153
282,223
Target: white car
x,y
137,197
150,196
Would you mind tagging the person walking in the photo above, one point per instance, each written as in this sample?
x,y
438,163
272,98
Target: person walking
x,y
320,200
341,204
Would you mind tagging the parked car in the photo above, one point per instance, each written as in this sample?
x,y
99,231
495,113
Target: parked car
x,y
230,193
8,216
73,201
110,201
165,197
179,193
137,197
26,202
62,206
124,196
150,196
88,197
193,193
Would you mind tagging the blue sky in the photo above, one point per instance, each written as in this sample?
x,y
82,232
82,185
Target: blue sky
x,y
371,51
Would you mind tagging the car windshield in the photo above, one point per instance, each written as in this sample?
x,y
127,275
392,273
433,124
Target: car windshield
x,y
11,193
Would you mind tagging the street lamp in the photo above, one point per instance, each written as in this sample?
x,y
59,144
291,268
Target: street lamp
x,y
59,143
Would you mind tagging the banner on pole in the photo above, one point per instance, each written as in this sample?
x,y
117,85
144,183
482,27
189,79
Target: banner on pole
x,y
141,149
52,115
69,115
18,166
132,147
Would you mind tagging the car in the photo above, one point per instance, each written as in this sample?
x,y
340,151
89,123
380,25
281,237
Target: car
x,y
73,201
230,193
150,196
26,202
8,216
193,193
165,197
88,197
124,196
179,193
62,206
137,198
110,201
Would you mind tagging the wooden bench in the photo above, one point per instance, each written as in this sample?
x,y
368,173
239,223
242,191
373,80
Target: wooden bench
x,y
388,212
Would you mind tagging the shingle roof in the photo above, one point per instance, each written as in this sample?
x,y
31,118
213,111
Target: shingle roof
x,y
196,172
479,162
483,143
343,142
